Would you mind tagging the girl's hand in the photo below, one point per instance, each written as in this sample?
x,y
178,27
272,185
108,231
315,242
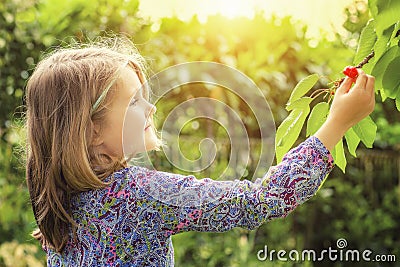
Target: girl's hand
x,y
350,105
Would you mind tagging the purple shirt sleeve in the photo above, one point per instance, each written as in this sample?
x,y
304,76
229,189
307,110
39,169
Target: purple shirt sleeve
x,y
189,204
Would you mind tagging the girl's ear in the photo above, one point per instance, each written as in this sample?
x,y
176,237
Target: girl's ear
x,y
97,138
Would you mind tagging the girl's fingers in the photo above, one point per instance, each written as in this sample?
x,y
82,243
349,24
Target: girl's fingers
x,y
369,86
361,81
345,86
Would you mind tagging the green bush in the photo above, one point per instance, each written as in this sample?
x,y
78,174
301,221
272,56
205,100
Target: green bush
x,y
361,206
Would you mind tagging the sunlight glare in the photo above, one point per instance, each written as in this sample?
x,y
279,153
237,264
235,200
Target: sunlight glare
x,y
233,8
326,15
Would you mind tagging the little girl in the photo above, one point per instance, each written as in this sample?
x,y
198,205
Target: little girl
x,y
92,209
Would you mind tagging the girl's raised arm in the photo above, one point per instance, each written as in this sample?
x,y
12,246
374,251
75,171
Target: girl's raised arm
x,y
208,205
185,203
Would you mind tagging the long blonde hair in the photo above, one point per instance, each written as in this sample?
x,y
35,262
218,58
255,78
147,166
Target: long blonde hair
x,y
60,96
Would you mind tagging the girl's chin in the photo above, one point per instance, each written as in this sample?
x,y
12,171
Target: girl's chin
x,y
150,146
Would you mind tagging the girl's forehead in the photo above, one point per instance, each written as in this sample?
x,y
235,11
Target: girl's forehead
x,y
128,82
144,86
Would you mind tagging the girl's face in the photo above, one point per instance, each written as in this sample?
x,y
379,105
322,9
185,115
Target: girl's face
x,y
127,129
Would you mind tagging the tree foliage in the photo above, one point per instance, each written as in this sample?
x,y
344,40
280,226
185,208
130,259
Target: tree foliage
x,y
361,206
378,53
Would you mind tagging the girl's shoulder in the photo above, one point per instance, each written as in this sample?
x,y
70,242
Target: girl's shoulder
x,y
129,173
122,185
137,179
132,173
143,175
117,181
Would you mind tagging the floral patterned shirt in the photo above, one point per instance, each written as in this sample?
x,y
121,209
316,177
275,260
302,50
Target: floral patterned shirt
x,y
130,222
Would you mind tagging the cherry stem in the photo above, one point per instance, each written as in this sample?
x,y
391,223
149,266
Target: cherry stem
x,y
330,98
319,92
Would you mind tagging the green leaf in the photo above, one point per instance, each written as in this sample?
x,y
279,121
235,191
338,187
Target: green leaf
x,y
366,131
301,103
383,41
352,141
388,14
288,132
391,78
393,39
339,156
317,117
373,7
302,87
382,64
366,42
397,101
383,95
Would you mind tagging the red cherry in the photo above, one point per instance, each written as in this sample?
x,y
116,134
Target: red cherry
x,y
350,72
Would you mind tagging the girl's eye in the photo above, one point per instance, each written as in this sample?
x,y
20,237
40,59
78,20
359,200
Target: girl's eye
x,y
133,102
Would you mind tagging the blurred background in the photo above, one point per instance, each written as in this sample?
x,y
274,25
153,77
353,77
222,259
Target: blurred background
x,y
275,43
